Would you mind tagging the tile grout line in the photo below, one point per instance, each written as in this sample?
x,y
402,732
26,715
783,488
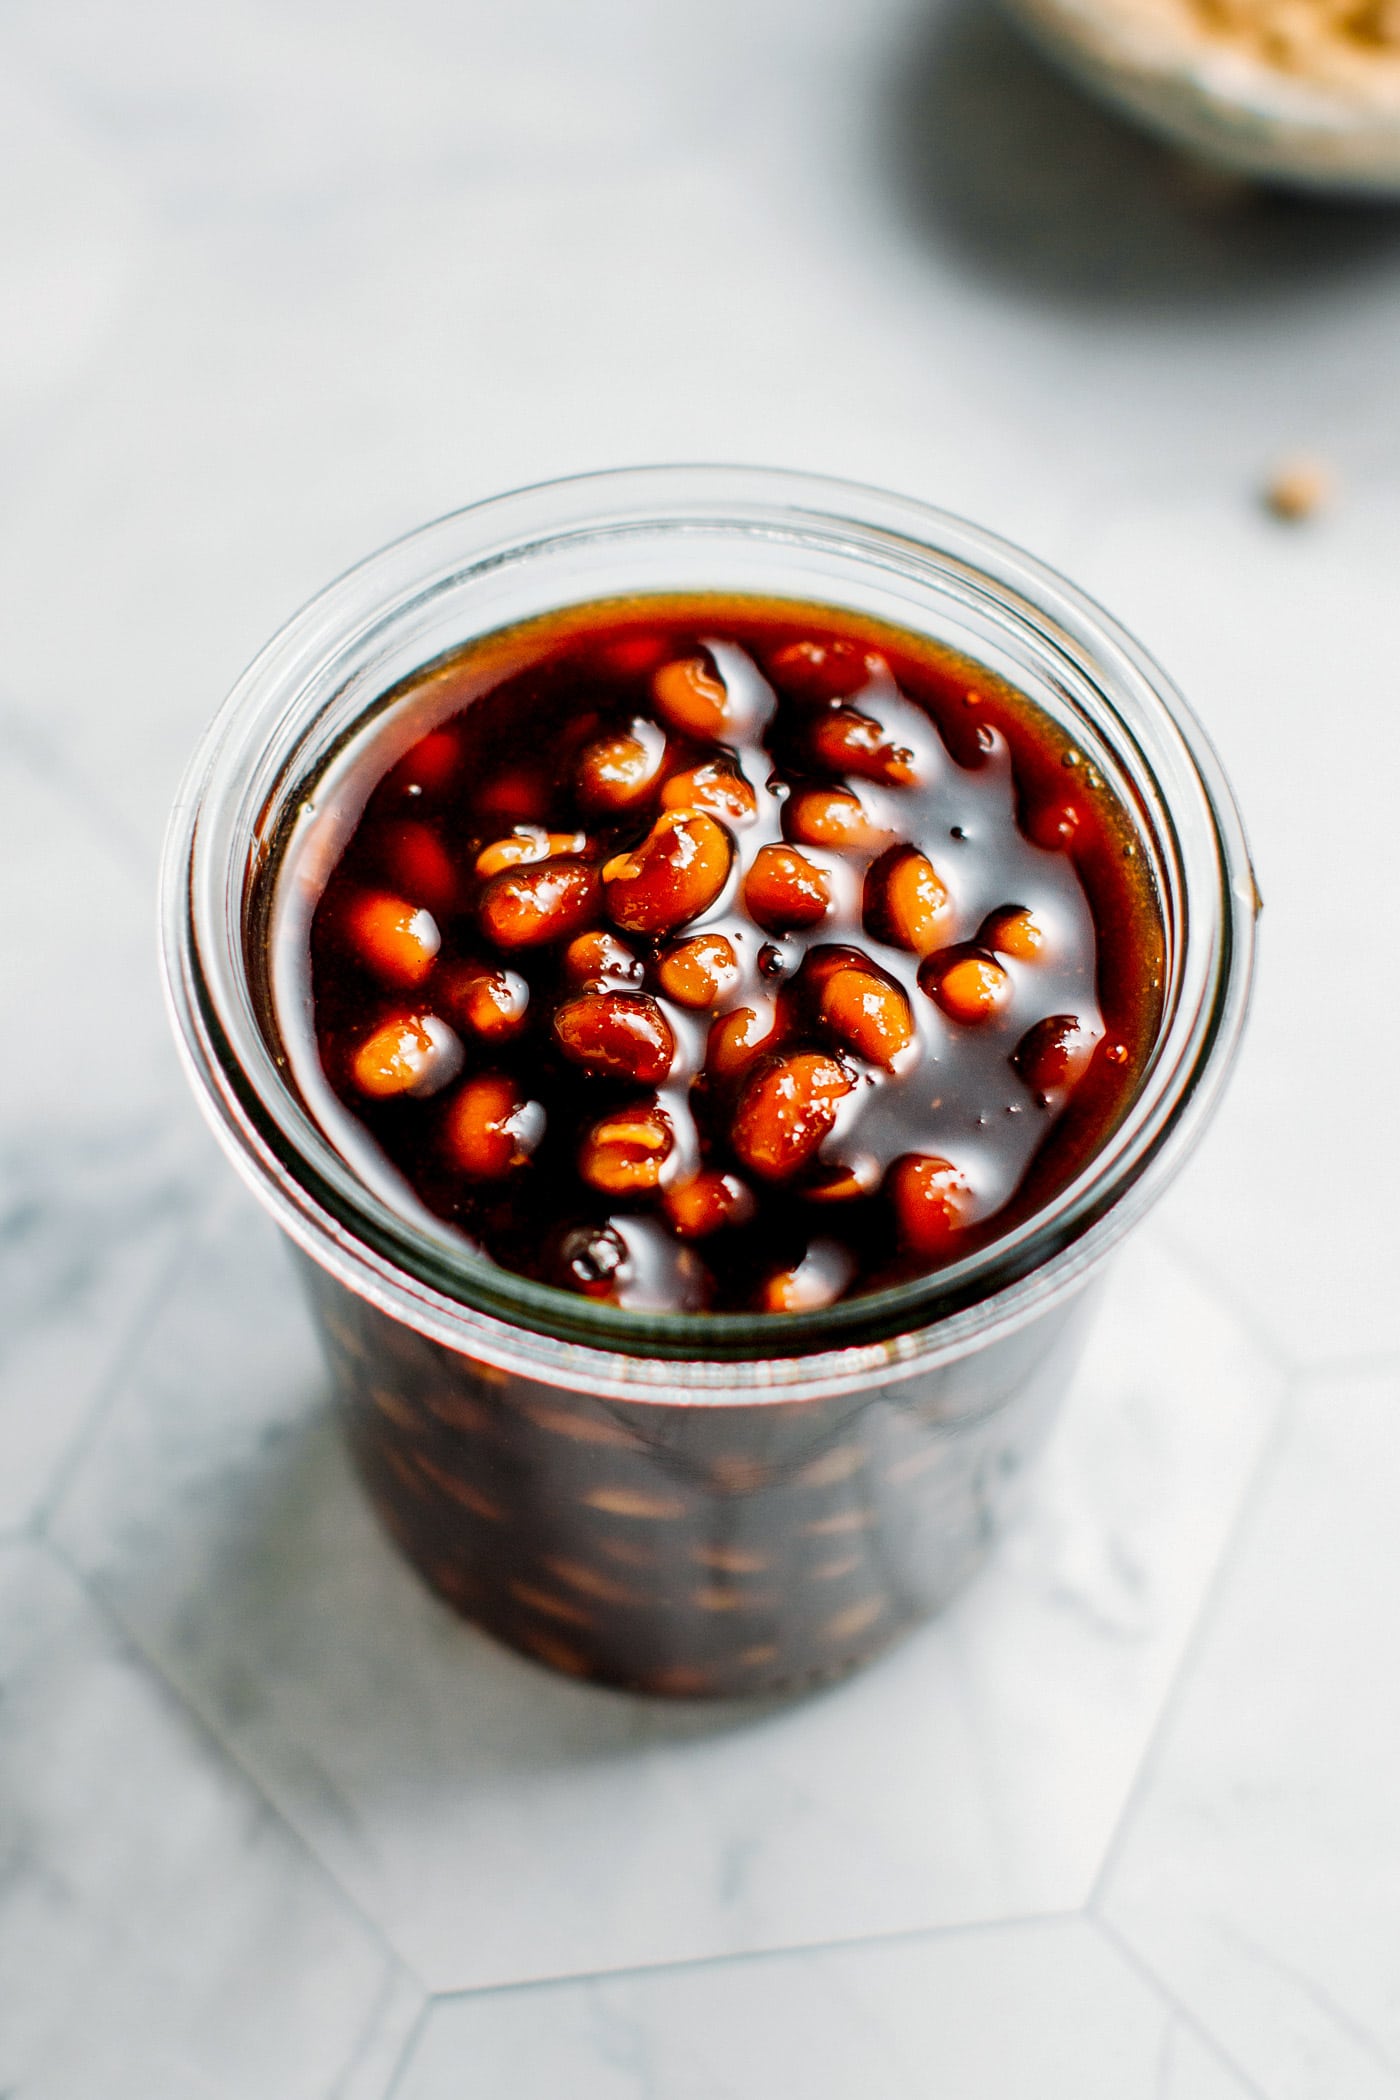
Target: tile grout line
x,y
739,1957
403,2063
125,1354
1192,2020
203,1198
394,1972
1206,1613
227,1755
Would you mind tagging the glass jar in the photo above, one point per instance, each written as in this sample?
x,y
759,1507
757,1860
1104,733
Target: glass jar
x,y
711,1503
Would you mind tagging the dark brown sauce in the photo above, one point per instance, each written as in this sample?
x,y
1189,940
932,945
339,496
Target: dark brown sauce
x,y
957,765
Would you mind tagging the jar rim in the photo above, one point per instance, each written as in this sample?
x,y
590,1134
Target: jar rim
x,y
223,835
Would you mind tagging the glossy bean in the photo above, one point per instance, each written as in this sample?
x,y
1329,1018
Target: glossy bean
x,y
786,1111
391,936
491,1127
932,1203
848,741
545,901
690,698
415,1054
706,1203
906,901
834,817
623,1153
1053,1056
598,961
622,1035
716,787
674,875
785,890
619,770
968,984
490,1003
699,972
869,1014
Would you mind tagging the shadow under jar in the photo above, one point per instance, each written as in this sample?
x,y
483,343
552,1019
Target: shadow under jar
x,y
682,1501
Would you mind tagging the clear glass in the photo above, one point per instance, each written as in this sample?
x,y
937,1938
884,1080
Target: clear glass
x,y
696,1444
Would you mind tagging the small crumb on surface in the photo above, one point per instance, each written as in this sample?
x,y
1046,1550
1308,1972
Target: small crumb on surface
x,y
1299,489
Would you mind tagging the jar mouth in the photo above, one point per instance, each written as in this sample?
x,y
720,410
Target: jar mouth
x,y
649,532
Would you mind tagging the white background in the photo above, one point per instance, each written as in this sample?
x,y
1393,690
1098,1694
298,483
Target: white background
x,y
279,280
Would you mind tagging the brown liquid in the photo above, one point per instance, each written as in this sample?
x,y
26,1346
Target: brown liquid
x,y
991,776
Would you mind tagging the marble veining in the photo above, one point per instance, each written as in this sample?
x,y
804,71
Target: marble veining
x,y
101,1169
160,1931
1257,1876
1008,2013
501,1823
278,282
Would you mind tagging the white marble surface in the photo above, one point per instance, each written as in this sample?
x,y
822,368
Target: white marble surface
x,y
277,282
1010,2013
499,1824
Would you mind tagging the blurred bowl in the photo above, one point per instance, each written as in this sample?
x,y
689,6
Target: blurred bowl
x,y
1221,103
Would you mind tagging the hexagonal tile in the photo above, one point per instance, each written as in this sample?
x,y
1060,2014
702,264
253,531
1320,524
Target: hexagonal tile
x,y
1013,2013
505,1824
99,1166
160,1931
1260,1876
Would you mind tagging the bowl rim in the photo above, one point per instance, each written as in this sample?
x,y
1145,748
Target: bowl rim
x,y
1222,101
